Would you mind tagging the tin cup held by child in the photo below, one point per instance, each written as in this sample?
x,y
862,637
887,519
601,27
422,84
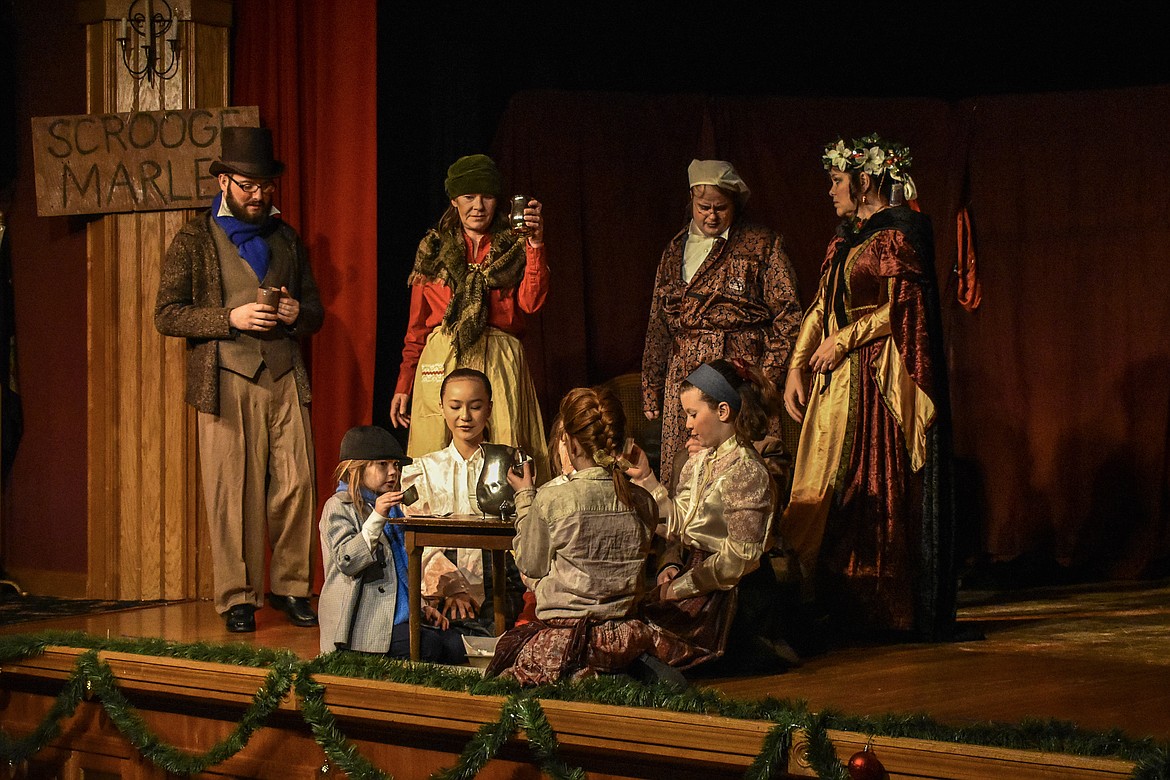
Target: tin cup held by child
x,y
410,495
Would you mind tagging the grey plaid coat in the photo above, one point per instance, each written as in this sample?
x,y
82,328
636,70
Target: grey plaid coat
x,y
359,596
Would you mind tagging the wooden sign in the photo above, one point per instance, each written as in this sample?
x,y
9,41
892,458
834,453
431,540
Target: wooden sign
x,y
142,161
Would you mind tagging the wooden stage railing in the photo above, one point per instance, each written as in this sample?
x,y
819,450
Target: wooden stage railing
x,y
411,731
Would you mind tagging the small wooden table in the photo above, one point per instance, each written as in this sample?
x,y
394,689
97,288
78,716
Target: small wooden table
x,y
473,531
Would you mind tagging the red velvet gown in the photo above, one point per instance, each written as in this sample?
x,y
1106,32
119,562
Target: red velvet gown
x,y
869,516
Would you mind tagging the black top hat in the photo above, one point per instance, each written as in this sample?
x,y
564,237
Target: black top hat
x,y
248,152
369,442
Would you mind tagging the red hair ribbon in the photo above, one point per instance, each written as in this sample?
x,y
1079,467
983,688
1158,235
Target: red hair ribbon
x,y
743,368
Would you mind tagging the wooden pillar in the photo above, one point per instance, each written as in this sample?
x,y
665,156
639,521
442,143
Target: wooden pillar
x,y
146,536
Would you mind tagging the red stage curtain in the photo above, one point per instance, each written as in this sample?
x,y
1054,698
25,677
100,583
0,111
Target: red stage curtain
x,y
311,70
1061,379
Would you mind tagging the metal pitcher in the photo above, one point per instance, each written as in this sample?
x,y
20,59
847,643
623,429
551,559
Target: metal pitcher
x,y
493,493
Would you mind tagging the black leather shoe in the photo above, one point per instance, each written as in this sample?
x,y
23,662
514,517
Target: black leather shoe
x,y
298,609
241,618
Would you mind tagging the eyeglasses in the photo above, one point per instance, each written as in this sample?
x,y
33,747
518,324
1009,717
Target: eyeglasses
x,y
251,188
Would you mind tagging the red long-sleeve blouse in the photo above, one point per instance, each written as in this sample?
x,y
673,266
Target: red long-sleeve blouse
x,y
506,308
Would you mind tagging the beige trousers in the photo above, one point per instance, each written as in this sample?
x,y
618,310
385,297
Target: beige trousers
x,y
259,484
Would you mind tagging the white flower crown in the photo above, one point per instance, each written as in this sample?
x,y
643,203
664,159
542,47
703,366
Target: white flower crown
x,y
875,156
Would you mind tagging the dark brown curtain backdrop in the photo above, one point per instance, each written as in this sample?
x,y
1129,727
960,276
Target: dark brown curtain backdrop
x,y
1061,380
298,61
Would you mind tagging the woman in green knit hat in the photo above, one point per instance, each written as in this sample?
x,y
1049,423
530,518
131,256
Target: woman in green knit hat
x,y
473,284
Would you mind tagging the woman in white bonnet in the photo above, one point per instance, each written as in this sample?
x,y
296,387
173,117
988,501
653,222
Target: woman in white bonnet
x,y
725,289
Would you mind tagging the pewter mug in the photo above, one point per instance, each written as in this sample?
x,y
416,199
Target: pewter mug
x,y
493,493
516,217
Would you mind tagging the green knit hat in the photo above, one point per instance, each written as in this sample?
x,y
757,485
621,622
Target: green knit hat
x,y
473,174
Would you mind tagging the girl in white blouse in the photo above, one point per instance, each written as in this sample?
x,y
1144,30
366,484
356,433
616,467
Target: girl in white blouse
x,y
446,480
719,523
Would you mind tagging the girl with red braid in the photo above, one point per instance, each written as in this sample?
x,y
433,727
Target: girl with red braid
x,y
585,542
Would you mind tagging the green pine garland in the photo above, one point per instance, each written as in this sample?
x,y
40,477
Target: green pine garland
x,y
131,725
484,745
773,758
343,753
92,677
19,751
543,741
518,712
822,756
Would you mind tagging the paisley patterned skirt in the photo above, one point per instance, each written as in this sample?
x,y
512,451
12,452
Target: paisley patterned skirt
x,y
545,651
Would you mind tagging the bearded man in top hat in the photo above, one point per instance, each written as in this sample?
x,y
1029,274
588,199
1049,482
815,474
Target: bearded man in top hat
x,y
247,380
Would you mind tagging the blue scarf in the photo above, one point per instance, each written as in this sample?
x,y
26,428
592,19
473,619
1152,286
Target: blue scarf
x,y
248,238
397,550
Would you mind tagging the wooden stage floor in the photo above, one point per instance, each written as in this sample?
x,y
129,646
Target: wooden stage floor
x,y
1096,655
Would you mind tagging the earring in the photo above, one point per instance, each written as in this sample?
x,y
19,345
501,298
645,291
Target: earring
x,y
864,200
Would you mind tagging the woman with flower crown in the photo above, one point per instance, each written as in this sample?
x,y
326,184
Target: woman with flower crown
x,y
869,517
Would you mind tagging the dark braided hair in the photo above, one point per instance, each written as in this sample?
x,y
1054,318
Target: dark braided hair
x,y
466,373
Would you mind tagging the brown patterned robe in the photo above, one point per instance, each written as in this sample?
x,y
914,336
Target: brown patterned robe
x,y
742,302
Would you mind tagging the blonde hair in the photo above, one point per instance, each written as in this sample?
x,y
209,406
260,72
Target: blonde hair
x,y
351,472
554,450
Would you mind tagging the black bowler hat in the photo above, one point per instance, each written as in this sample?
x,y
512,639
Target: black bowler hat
x,y
248,152
369,442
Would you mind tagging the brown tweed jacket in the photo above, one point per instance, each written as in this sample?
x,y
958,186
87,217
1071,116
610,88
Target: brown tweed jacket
x,y
190,304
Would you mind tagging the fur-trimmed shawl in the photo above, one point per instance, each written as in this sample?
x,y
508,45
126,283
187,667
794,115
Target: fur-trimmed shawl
x,y
442,257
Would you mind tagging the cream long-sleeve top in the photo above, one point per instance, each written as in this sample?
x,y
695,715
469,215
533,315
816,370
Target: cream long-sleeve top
x,y
446,483
723,506
584,546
